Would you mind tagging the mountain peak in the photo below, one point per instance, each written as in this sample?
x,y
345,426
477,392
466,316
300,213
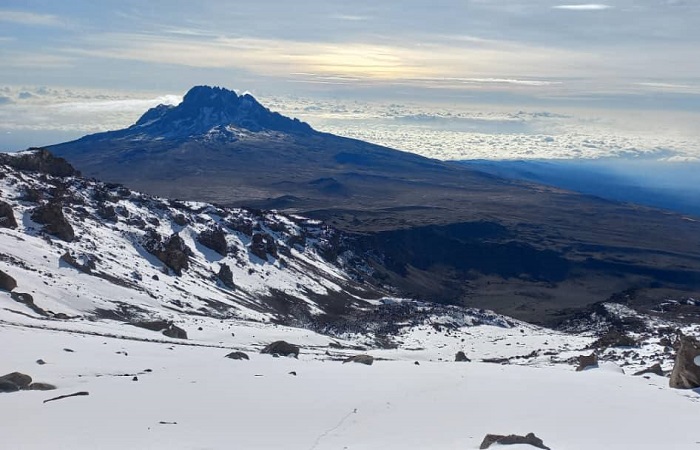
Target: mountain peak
x,y
207,108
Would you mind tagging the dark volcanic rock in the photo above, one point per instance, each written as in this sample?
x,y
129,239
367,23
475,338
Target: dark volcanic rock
x,y
281,348
71,261
214,239
226,276
7,216
40,387
512,439
40,160
237,355
19,379
172,252
461,357
8,386
263,244
367,360
614,338
28,300
584,362
7,283
51,216
173,331
166,327
655,369
686,371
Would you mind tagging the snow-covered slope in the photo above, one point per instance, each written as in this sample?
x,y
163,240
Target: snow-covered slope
x,y
117,263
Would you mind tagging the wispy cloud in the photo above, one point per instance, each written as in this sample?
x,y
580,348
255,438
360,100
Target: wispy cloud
x,y
30,18
584,7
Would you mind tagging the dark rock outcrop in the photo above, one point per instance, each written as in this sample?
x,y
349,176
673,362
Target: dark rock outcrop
x,y
55,223
281,348
367,360
587,361
226,276
263,244
512,439
8,386
237,355
461,357
655,369
215,239
40,160
40,387
21,380
172,252
27,300
686,371
7,216
166,327
7,283
614,338
88,267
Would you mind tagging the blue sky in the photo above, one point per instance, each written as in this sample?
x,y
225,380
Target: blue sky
x,y
619,55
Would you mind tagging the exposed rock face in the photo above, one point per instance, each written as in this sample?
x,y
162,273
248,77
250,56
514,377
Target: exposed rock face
x,y
51,216
21,380
40,160
7,283
226,276
237,355
71,261
686,372
584,362
173,252
655,369
513,439
7,216
263,244
281,348
8,386
28,300
461,357
214,239
367,360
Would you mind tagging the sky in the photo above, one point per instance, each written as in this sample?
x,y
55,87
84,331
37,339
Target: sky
x,y
451,79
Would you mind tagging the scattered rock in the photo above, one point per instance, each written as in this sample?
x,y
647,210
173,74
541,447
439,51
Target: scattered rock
x,y
41,362
69,350
21,380
55,223
416,363
7,283
614,338
135,379
281,348
166,327
686,372
41,387
367,360
512,439
655,369
7,216
585,362
293,373
237,355
461,357
61,397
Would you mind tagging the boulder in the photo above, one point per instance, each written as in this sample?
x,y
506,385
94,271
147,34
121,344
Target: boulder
x,y
51,216
7,283
461,357
281,348
7,216
367,360
40,160
512,439
175,332
585,362
8,386
215,239
20,379
40,387
686,371
173,252
166,327
263,244
226,276
655,369
237,355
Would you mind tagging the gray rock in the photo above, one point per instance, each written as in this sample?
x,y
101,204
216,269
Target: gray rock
x,y
585,362
55,223
512,439
7,283
686,372
237,355
8,386
361,359
215,239
655,369
40,387
7,216
281,348
20,379
226,276
461,357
